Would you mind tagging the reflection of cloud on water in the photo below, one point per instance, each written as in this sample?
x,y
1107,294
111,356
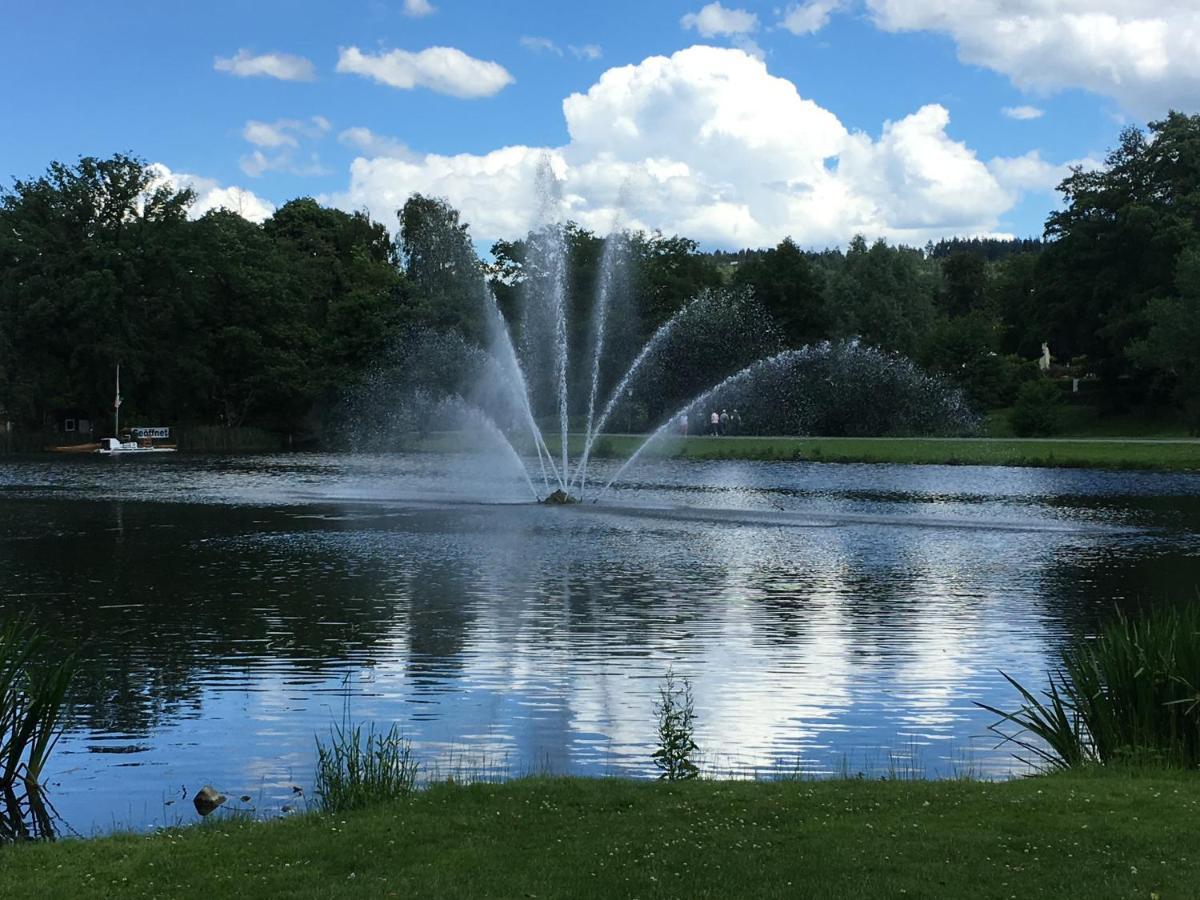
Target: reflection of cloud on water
x,y
523,636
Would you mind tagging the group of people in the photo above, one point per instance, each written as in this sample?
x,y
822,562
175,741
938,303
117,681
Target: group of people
x,y
717,423
724,422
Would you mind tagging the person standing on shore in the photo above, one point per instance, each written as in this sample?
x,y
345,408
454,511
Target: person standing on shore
x,y
724,421
714,424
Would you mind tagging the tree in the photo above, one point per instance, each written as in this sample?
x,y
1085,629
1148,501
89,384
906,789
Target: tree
x,y
1170,345
1116,244
85,257
964,284
445,275
669,272
1038,408
791,290
883,295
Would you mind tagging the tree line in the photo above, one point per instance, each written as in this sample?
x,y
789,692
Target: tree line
x,y
217,320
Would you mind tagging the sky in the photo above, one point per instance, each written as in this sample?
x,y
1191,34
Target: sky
x,y
736,124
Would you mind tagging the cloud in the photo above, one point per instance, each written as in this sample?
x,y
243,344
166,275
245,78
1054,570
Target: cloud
x,y
809,18
709,144
541,45
419,8
283,66
263,134
445,70
715,20
1023,113
373,144
1145,55
1031,173
283,135
210,195
586,51
284,132
257,163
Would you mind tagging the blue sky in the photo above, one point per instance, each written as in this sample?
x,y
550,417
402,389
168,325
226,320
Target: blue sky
x,y
774,132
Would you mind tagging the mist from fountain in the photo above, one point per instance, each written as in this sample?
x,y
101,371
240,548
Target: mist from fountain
x,y
703,400
504,394
504,383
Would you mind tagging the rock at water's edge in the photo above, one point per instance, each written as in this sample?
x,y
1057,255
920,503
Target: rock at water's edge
x,y
207,799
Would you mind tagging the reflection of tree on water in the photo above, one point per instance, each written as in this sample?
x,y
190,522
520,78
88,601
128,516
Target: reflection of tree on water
x,y
525,611
437,630
27,815
185,592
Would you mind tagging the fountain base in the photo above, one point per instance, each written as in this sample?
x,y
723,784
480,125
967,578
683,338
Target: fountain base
x,y
559,498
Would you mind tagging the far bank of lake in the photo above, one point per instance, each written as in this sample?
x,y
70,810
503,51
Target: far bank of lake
x,y
1163,454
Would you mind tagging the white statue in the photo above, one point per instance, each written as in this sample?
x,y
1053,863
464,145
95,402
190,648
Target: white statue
x,y
1044,362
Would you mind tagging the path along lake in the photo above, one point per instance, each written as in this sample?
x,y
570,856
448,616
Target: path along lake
x,y
227,609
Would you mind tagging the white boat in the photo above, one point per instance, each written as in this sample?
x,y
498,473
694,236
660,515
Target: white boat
x,y
142,439
115,447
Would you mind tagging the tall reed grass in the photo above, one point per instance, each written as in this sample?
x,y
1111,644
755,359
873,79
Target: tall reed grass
x,y
1130,695
357,768
32,704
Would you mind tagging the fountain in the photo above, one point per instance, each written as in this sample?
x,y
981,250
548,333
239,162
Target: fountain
x,y
720,350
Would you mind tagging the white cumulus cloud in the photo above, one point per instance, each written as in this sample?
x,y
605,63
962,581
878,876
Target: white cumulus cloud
x,y
284,132
418,8
282,136
1023,113
1030,172
540,45
445,70
283,66
1143,53
811,17
372,144
714,20
708,143
586,51
211,195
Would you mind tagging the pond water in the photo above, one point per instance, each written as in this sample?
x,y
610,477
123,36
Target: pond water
x,y
226,610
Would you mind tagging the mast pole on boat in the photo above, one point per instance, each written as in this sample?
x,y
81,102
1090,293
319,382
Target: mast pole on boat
x,y
117,406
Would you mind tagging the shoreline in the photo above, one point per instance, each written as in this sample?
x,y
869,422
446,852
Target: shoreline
x,y
1162,454
1088,833
1169,454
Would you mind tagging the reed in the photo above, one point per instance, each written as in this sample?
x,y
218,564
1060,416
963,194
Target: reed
x,y
32,704
357,768
1131,695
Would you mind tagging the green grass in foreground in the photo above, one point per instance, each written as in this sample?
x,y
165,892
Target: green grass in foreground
x,y
1069,835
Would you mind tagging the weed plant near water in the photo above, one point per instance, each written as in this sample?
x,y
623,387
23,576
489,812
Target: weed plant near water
x,y
676,729
357,768
32,704
1131,695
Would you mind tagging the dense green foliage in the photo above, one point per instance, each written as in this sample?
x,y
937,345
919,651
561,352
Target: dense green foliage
x,y
219,321
215,320
1036,412
1130,696
1118,834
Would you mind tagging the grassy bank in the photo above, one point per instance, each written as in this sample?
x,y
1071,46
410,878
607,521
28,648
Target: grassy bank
x,y
1071,835
1119,453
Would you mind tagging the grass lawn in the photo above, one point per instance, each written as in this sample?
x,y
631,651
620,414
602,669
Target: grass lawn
x,y
1077,835
1086,453
1167,453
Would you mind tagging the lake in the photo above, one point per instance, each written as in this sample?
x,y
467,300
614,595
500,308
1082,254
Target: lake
x,y
830,618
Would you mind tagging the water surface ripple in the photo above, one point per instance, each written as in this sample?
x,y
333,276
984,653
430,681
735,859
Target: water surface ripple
x,y
227,609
